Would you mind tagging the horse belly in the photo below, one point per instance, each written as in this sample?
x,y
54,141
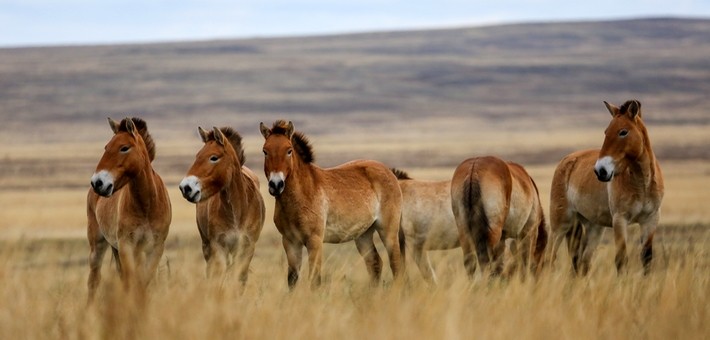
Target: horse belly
x,y
346,227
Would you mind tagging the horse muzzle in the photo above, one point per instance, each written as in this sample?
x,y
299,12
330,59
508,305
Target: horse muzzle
x,y
604,169
102,183
190,189
276,187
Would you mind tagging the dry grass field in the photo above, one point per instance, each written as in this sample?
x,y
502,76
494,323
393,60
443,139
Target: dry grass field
x,y
420,101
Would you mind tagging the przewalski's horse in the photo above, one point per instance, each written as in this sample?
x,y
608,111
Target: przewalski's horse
x,y
128,207
492,201
335,205
230,209
627,188
427,219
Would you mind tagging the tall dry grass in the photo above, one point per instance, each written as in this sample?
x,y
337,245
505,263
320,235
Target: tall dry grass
x,y
43,295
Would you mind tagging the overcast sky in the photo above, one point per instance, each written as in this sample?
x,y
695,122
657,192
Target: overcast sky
x,y
47,22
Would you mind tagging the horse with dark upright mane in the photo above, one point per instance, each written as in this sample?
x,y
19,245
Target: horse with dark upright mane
x,y
613,187
128,207
230,209
314,205
493,200
427,219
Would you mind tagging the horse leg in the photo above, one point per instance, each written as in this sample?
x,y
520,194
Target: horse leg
x,y
126,252
648,230
388,229
152,262
117,259
497,255
576,243
592,238
538,250
218,259
373,261
245,253
314,246
421,258
620,235
294,256
98,247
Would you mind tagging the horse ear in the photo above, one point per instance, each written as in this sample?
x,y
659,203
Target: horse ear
x,y
130,126
265,131
114,126
203,134
218,135
614,110
289,129
634,109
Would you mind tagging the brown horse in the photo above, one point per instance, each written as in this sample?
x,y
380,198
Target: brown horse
x,y
492,201
627,188
128,207
335,205
427,219
230,209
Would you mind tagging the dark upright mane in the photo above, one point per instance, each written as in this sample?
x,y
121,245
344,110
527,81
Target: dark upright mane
x,y
400,173
142,128
234,138
300,142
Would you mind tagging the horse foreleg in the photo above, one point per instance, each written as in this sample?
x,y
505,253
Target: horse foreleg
x,y
366,247
421,258
620,235
245,253
648,230
218,259
151,265
294,256
314,246
98,249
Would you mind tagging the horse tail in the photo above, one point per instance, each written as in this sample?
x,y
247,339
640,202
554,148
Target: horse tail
x,y
402,245
474,213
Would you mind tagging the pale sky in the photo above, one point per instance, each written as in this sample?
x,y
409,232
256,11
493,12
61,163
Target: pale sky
x,y
47,22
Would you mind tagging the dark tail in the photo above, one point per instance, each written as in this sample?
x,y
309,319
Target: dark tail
x,y
476,219
402,246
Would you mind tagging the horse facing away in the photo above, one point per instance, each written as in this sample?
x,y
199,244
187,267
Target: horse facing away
x,y
230,209
128,207
627,188
314,205
493,200
427,219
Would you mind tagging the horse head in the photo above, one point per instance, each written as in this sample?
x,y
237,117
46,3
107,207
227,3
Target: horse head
x,y
215,164
624,139
125,155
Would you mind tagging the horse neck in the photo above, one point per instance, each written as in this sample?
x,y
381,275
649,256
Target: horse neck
x,y
143,188
302,180
643,169
234,193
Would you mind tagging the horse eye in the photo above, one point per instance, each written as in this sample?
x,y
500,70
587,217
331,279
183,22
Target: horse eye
x,y
623,133
125,149
214,159
289,152
264,151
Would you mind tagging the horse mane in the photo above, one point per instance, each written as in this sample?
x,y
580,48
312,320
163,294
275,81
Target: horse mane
x,y
401,174
300,142
234,138
142,128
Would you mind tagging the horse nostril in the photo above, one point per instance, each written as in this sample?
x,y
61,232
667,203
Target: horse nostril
x,y
280,185
99,183
109,188
186,190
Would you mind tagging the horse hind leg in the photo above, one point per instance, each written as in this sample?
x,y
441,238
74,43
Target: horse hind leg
x,y
576,243
421,258
366,247
648,230
388,229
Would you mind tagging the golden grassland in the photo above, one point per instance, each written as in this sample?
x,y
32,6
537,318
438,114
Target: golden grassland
x,y
43,260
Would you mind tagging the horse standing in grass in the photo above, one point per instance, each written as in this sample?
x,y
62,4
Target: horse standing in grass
x,y
427,219
230,209
493,200
128,207
627,188
314,205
